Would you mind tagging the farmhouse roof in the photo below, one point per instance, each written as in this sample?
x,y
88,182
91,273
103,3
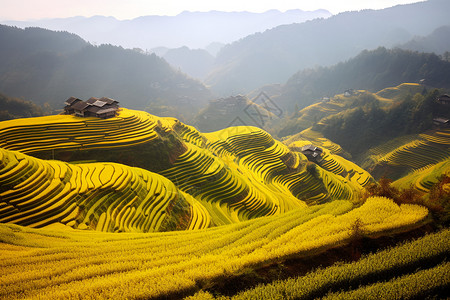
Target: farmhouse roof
x,y
108,100
312,148
71,100
106,110
444,98
80,105
441,120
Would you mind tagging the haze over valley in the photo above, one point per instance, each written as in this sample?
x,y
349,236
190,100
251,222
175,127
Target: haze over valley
x,y
289,152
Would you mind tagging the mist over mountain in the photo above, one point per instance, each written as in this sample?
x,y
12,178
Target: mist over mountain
x,y
195,62
273,56
48,67
192,29
370,70
438,42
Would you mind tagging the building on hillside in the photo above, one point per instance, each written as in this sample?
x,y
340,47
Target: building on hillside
x,y
444,99
441,123
312,152
349,92
94,107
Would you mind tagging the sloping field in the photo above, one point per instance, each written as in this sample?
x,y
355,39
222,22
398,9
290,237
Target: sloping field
x,y
101,196
75,264
66,132
398,92
227,176
423,179
414,270
312,114
410,153
316,138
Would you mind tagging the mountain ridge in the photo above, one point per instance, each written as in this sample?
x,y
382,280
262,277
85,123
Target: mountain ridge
x,y
276,54
130,33
45,66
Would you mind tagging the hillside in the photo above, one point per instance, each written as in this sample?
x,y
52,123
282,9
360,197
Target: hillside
x,y
100,196
411,153
230,175
389,133
340,103
45,66
247,216
195,62
235,111
274,55
366,74
12,108
370,70
436,42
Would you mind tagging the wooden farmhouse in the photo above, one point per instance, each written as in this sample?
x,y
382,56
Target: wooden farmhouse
x,y
444,99
441,123
312,152
94,107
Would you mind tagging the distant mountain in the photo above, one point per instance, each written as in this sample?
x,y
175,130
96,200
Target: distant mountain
x,y
192,29
197,63
12,108
234,111
273,56
214,48
438,42
46,66
370,70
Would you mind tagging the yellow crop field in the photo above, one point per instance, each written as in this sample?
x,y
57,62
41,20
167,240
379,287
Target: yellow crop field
x,y
72,264
227,176
100,196
69,132
423,179
213,205
413,152
395,273
234,174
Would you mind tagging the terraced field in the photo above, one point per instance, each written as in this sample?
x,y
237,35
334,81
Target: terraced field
x,y
101,196
74,133
73,264
315,138
423,179
226,176
410,153
271,202
397,92
312,114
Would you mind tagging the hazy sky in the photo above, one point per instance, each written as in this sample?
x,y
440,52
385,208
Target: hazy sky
x,y
129,9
